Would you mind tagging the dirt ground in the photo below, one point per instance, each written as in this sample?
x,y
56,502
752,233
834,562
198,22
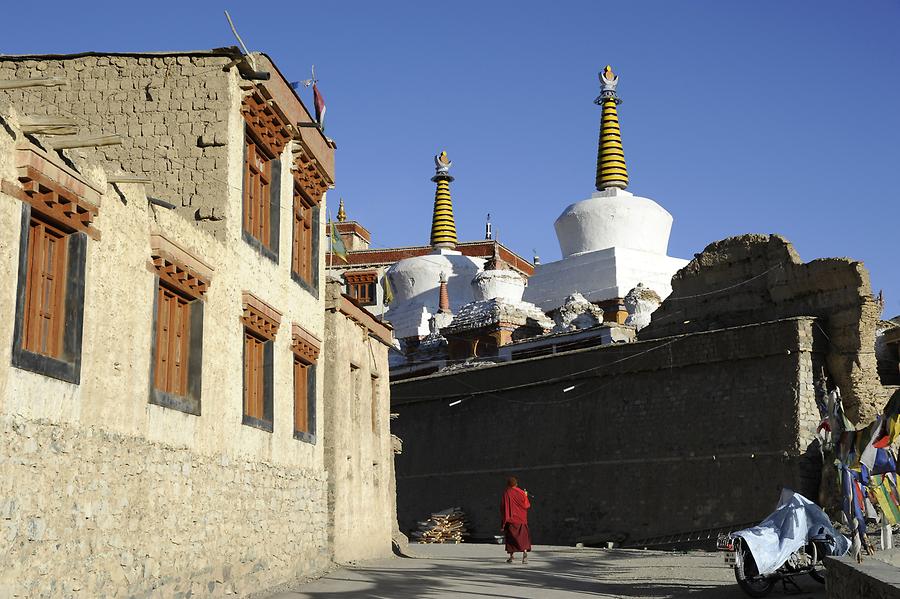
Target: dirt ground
x,y
469,571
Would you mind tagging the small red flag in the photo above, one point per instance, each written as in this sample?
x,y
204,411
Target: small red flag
x,y
320,106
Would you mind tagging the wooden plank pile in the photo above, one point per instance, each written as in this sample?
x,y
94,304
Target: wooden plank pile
x,y
447,526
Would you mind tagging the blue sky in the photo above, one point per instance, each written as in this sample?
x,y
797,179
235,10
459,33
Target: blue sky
x,y
767,117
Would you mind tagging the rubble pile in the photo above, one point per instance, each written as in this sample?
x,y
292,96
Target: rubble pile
x,y
448,526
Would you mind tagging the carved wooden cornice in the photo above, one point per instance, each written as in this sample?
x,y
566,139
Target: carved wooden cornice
x,y
259,316
360,276
178,268
307,174
304,344
267,125
54,200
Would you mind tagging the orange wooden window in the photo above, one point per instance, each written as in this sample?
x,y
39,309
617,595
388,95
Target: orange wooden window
x,y
173,326
301,396
257,177
254,376
364,293
302,254
45,283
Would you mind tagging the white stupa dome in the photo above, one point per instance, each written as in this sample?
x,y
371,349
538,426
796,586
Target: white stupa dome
x,y
613,218
416,286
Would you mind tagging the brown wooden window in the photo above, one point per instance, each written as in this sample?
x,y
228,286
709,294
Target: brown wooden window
x,y
361,286
305,348
176,366
58,212
45,285
173,320
266,133
261,323
257,195
303,253
255,377
301,396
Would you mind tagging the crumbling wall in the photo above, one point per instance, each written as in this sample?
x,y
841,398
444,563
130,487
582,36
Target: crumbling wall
x,y
171,111
757,278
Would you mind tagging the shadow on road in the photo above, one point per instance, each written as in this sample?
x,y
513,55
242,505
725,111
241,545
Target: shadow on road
x,y
552,573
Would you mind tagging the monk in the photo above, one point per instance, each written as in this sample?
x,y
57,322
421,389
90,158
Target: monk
x,y
514,520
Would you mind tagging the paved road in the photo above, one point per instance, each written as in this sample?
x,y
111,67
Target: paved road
x,y
470,571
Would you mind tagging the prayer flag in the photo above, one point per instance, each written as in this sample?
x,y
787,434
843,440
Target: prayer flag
x,y
388,290
319,102
337,244
886,502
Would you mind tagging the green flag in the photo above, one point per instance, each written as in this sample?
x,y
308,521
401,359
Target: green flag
x,y
337,244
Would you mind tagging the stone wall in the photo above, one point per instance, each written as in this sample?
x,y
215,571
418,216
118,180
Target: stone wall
x,y
754,278
619,443
872,579
85,512
92,472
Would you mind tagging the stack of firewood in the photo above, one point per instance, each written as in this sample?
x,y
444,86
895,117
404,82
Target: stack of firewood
x,y
448,526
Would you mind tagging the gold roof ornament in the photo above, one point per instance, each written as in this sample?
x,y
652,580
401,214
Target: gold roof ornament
x,y
611,168
341,215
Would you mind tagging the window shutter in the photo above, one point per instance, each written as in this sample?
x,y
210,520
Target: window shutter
x,y
311,399
316,239
275,205
74,310
244,171
268,374
195,353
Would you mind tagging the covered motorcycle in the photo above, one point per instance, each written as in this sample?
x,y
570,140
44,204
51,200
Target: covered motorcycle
x,y
791,541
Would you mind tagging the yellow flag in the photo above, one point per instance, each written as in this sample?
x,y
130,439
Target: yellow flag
x,y
337,244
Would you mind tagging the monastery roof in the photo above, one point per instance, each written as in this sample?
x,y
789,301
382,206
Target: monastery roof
x,y
475,249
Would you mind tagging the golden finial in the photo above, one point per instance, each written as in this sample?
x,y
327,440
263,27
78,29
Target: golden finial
x,y
443,227
341,215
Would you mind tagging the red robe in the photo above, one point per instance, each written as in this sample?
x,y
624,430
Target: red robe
x,y
514,515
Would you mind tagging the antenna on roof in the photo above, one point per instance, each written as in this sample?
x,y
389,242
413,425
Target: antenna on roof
x,y
240,41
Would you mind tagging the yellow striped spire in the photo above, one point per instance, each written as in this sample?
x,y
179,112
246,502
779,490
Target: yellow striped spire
x,y
443,227
611,169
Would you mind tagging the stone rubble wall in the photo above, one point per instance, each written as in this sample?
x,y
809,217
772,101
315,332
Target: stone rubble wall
x,y
755,278
135,518
171,111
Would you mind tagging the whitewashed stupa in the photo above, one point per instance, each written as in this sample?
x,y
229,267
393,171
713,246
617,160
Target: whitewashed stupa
x,y
611,241
415,281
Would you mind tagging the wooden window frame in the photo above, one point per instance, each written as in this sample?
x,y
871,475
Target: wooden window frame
x,y
261,323
305,240
257,191
266,134
362,287
185,279
305,349
62,356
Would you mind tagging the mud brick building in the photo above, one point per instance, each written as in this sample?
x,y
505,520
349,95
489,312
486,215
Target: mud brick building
x,y
162,321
